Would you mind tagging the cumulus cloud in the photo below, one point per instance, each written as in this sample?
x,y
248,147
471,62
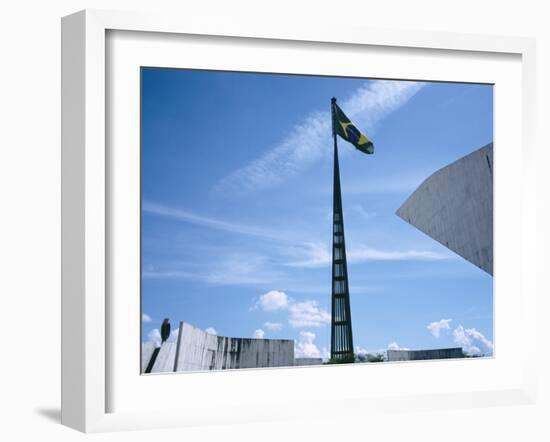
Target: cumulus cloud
x,y
258,334
211,330
395,346
274,326
305,347
307,314
273,300
300,314
154,336
309,140
436,327
470,339
145,318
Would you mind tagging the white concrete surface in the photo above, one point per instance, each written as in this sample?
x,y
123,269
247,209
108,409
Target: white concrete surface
x,y
165,358
197,350
147,349
454,206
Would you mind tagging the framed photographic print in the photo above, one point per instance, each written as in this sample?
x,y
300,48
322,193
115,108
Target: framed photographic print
x,y
276,210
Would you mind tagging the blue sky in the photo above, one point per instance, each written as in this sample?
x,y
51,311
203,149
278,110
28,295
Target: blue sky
x,y
237,201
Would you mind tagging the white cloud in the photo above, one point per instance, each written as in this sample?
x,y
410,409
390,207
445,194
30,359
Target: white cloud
x,y
167,274
154,336
310,140
436,327
259,334
300,314
366,215
307,314
173,335
239,269
273,300
469,339
361,254
395,346
211,330
145,318
275,326
305,347
193,218
480,337
318,255
231,269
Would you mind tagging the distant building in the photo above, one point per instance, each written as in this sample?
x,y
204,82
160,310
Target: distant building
x,y
419,355
454,206
195,349
308,361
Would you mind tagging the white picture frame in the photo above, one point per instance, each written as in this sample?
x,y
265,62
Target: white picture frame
x,y
86,203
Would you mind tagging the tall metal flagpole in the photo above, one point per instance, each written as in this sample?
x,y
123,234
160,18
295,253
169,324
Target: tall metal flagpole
x,y
341,340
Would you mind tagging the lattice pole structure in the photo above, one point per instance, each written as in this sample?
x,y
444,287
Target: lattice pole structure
x,y
341,348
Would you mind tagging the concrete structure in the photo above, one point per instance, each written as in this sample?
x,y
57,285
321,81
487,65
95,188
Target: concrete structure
x,y
147,350
419,355
454,206
307,361
165,358
197,350
341,332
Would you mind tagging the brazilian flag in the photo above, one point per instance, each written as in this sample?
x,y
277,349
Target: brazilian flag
x,y
345,128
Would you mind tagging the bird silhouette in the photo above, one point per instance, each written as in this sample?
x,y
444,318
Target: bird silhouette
x,y
165,330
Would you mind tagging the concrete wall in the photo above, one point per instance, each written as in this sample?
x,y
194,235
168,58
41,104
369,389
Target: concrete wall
x,y
165,359
197,350
454,206
417,355
147,349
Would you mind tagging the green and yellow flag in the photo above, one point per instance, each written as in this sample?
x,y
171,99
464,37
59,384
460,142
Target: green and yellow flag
x,y
345,128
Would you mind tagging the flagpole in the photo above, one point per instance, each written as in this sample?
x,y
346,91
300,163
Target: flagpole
x,y
341,329
333,344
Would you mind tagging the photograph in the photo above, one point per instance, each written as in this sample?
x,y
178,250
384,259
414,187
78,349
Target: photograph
x,y
292,220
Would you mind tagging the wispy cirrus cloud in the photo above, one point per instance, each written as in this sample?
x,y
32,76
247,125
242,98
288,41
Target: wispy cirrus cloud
x,y
246,269
254,268
200,220
318,255
274,326
309,140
